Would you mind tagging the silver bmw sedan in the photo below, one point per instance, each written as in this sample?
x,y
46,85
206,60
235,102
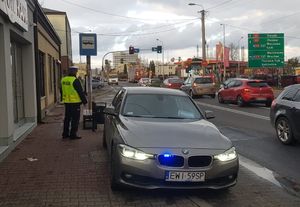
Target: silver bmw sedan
x,y
159,138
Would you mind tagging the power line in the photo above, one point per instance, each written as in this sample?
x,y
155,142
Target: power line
x,y
116,15
220,4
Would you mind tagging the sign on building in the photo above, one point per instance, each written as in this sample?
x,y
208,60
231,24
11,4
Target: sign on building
x,y
266,50
88,44
16,10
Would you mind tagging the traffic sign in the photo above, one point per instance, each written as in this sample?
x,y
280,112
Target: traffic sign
x,y
88,44
266,50
136,50
154,49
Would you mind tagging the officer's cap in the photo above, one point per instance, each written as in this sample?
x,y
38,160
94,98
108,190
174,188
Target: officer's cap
x,y
73,69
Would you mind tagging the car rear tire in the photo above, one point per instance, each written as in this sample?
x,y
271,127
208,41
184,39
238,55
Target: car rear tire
x,y
220,98
240,101
284,131
268,103
192,94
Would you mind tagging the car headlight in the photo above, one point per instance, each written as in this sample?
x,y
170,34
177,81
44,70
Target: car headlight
x,y
133,153
227,155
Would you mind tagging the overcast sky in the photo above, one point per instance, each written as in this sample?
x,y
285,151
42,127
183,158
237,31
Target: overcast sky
x,y
121,23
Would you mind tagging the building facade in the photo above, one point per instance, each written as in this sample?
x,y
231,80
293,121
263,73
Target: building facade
x,y
61,24
47,59
17,79
166,69
124,58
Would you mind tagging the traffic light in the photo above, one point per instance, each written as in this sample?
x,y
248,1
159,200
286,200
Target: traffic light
x,y
131,50
159,49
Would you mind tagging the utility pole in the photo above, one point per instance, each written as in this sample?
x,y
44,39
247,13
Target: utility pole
x,y
203,35
197,51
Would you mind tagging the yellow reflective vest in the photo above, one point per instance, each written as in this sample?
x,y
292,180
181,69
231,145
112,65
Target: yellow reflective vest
x,y
69,94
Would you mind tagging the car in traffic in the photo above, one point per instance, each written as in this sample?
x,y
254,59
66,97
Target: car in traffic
x,y
143,82
174,83
199,85
245,91
285,114
159,138
155,82
96,83
113,79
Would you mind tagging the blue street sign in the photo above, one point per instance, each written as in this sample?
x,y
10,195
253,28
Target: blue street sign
x,y
136,50
154,49
88,44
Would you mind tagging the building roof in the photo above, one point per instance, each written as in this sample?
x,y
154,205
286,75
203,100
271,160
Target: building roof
x,y
51,11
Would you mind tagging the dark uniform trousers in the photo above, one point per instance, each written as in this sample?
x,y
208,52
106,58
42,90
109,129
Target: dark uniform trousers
x,y
72,115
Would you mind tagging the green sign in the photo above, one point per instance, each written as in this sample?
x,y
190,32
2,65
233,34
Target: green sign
x,y
266,50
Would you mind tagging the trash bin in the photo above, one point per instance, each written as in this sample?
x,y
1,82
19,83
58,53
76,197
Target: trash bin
x,y
98,115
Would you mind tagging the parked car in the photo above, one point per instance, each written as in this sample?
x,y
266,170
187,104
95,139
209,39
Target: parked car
x,y
146,148
244,91
174,83
96,83
285,114
155,82
143,82
199,85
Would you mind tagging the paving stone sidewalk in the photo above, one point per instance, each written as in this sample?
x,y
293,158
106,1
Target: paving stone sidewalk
x,y
45,170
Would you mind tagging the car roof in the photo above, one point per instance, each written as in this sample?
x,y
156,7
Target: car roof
x,y
150,90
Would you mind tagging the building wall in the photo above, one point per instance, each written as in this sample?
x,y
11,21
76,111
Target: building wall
x,y
51,70
61,25
169,69
13,130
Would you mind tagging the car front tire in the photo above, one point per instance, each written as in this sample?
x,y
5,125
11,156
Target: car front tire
x,y
114,185
104,144
220,98
284,131
240,101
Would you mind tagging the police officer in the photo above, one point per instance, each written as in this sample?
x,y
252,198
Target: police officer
x,y
72,96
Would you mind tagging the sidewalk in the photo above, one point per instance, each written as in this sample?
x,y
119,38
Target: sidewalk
x,y
45,170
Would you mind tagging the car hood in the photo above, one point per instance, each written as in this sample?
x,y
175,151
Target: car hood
x,y
160,133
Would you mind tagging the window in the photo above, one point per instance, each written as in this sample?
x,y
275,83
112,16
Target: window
x,y
50,74
203,80
297,97
231,84
160,106
238,83
115,100
289,94
257,84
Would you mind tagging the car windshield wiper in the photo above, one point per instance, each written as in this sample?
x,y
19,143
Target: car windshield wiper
x,y
169,117
142,116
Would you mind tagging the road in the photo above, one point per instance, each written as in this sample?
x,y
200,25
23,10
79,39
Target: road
x,y
250,130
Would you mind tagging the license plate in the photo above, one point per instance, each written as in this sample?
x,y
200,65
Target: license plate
x,y
185,176
261,99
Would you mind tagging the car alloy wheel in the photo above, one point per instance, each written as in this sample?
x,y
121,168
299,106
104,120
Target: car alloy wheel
x,y
283,130
220,98
240,101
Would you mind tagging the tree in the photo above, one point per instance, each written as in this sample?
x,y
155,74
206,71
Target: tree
x,y
234,51
152,66
292,64
125,69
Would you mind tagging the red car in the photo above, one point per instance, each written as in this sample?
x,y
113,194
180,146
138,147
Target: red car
x,y
174,83
243,91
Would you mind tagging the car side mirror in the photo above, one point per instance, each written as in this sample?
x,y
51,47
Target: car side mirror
x,y
110,111
209,115
225,86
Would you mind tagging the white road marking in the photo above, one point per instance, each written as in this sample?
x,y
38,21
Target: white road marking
x,y
259,170
235,111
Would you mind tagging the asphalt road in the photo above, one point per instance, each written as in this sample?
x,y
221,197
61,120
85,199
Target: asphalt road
x,y
254,137
251,132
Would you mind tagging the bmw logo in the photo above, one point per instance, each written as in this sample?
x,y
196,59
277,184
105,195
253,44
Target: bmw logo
x,y
185,151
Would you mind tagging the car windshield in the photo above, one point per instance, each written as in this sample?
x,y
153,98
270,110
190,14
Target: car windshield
x,y
203,80
160,106
257,84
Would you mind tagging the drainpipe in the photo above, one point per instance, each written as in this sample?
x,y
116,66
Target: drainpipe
x,y
37,67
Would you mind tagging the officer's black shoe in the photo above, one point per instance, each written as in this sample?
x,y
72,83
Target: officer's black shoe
x,y
75,137
65,136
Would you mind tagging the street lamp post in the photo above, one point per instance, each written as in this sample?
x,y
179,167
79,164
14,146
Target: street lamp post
x,y
203,30
163,52
239,50
224,67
